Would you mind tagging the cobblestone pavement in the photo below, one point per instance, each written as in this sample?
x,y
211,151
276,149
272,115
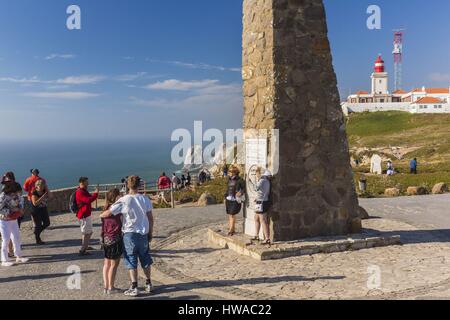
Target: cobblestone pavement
x,y
45,276
407,271
189,268
430,211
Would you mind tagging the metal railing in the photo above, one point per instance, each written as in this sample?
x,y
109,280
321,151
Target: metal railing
x,y
147,188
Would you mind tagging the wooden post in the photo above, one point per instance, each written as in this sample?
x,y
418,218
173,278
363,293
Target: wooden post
x,y
96,201
172,198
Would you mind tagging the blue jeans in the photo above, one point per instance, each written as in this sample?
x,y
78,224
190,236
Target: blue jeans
x,y
136,247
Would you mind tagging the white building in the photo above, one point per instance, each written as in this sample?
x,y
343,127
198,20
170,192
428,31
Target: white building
x,y
422,100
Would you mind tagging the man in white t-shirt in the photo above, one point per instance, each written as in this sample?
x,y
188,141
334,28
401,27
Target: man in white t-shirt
x,y
136,210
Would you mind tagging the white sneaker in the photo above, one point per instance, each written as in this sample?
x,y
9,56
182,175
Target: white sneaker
x,y
149,288
7,264
132,292
22,260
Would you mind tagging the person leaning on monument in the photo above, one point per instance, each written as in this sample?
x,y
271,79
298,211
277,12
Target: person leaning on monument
x,y
234,198
262,204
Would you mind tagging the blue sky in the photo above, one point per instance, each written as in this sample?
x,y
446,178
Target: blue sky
x,y
143,68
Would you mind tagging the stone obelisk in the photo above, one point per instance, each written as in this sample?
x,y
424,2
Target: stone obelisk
x,y
290,85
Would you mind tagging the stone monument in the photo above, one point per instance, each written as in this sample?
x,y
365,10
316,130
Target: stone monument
x,y
290,86
376,164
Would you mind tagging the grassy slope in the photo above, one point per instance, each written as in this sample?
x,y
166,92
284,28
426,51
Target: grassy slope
x,y
427,132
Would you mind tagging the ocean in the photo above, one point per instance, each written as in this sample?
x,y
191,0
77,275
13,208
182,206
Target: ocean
x,y
62,163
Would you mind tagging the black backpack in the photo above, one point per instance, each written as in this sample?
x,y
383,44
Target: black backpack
x,y
73,205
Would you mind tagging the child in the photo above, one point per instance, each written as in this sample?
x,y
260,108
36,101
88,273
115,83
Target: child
x,y
11,209
112,243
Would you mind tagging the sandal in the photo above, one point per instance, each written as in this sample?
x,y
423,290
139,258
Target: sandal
x,y
255,239
230,234
266,242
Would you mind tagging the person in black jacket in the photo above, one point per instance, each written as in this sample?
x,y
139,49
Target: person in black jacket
x,y
234,198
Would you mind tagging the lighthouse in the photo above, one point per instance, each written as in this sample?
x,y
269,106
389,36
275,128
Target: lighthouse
x,y
379,78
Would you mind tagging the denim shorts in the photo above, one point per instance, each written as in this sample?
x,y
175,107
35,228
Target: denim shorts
x,y
136,248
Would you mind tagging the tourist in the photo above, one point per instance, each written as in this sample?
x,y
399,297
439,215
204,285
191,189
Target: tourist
x,y
175,181
413,166
188,179
137,229
84,202
9,177
164,184
183,180
225,170
262,204
39,200
123,189
30,183
234,198
11,208
112,243
202,177
390,168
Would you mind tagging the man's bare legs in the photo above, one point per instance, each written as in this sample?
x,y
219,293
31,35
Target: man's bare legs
x,y
85,240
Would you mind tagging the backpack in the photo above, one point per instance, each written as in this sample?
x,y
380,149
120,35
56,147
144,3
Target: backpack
x,y
73,205
178,180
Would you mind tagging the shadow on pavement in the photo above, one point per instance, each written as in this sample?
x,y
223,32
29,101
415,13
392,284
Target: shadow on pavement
x,y
61,244
196,250
64,257
39,276
164,289
418,236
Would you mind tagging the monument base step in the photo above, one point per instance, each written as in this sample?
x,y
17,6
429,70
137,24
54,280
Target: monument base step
x,y
244,245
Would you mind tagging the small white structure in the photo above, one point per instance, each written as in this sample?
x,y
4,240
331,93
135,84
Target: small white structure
x,y
375,164
429,105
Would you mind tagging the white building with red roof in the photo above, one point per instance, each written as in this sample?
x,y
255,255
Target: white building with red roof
x,y
420,100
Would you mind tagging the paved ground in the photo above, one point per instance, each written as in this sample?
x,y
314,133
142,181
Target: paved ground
x,y
404,271
431,211
46,275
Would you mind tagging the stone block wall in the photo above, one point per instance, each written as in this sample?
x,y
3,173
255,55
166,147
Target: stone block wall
x,y
290,85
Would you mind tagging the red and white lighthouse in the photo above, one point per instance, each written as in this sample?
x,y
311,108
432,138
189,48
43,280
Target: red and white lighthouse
x,y
379,65
380,78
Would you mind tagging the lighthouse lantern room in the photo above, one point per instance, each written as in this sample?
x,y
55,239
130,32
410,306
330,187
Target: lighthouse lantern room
x,y
380,78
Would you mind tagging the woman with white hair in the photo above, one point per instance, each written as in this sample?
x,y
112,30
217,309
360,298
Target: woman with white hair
x,y
262,204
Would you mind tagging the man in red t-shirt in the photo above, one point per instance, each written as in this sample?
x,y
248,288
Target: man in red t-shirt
x,y
84,201
164,184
